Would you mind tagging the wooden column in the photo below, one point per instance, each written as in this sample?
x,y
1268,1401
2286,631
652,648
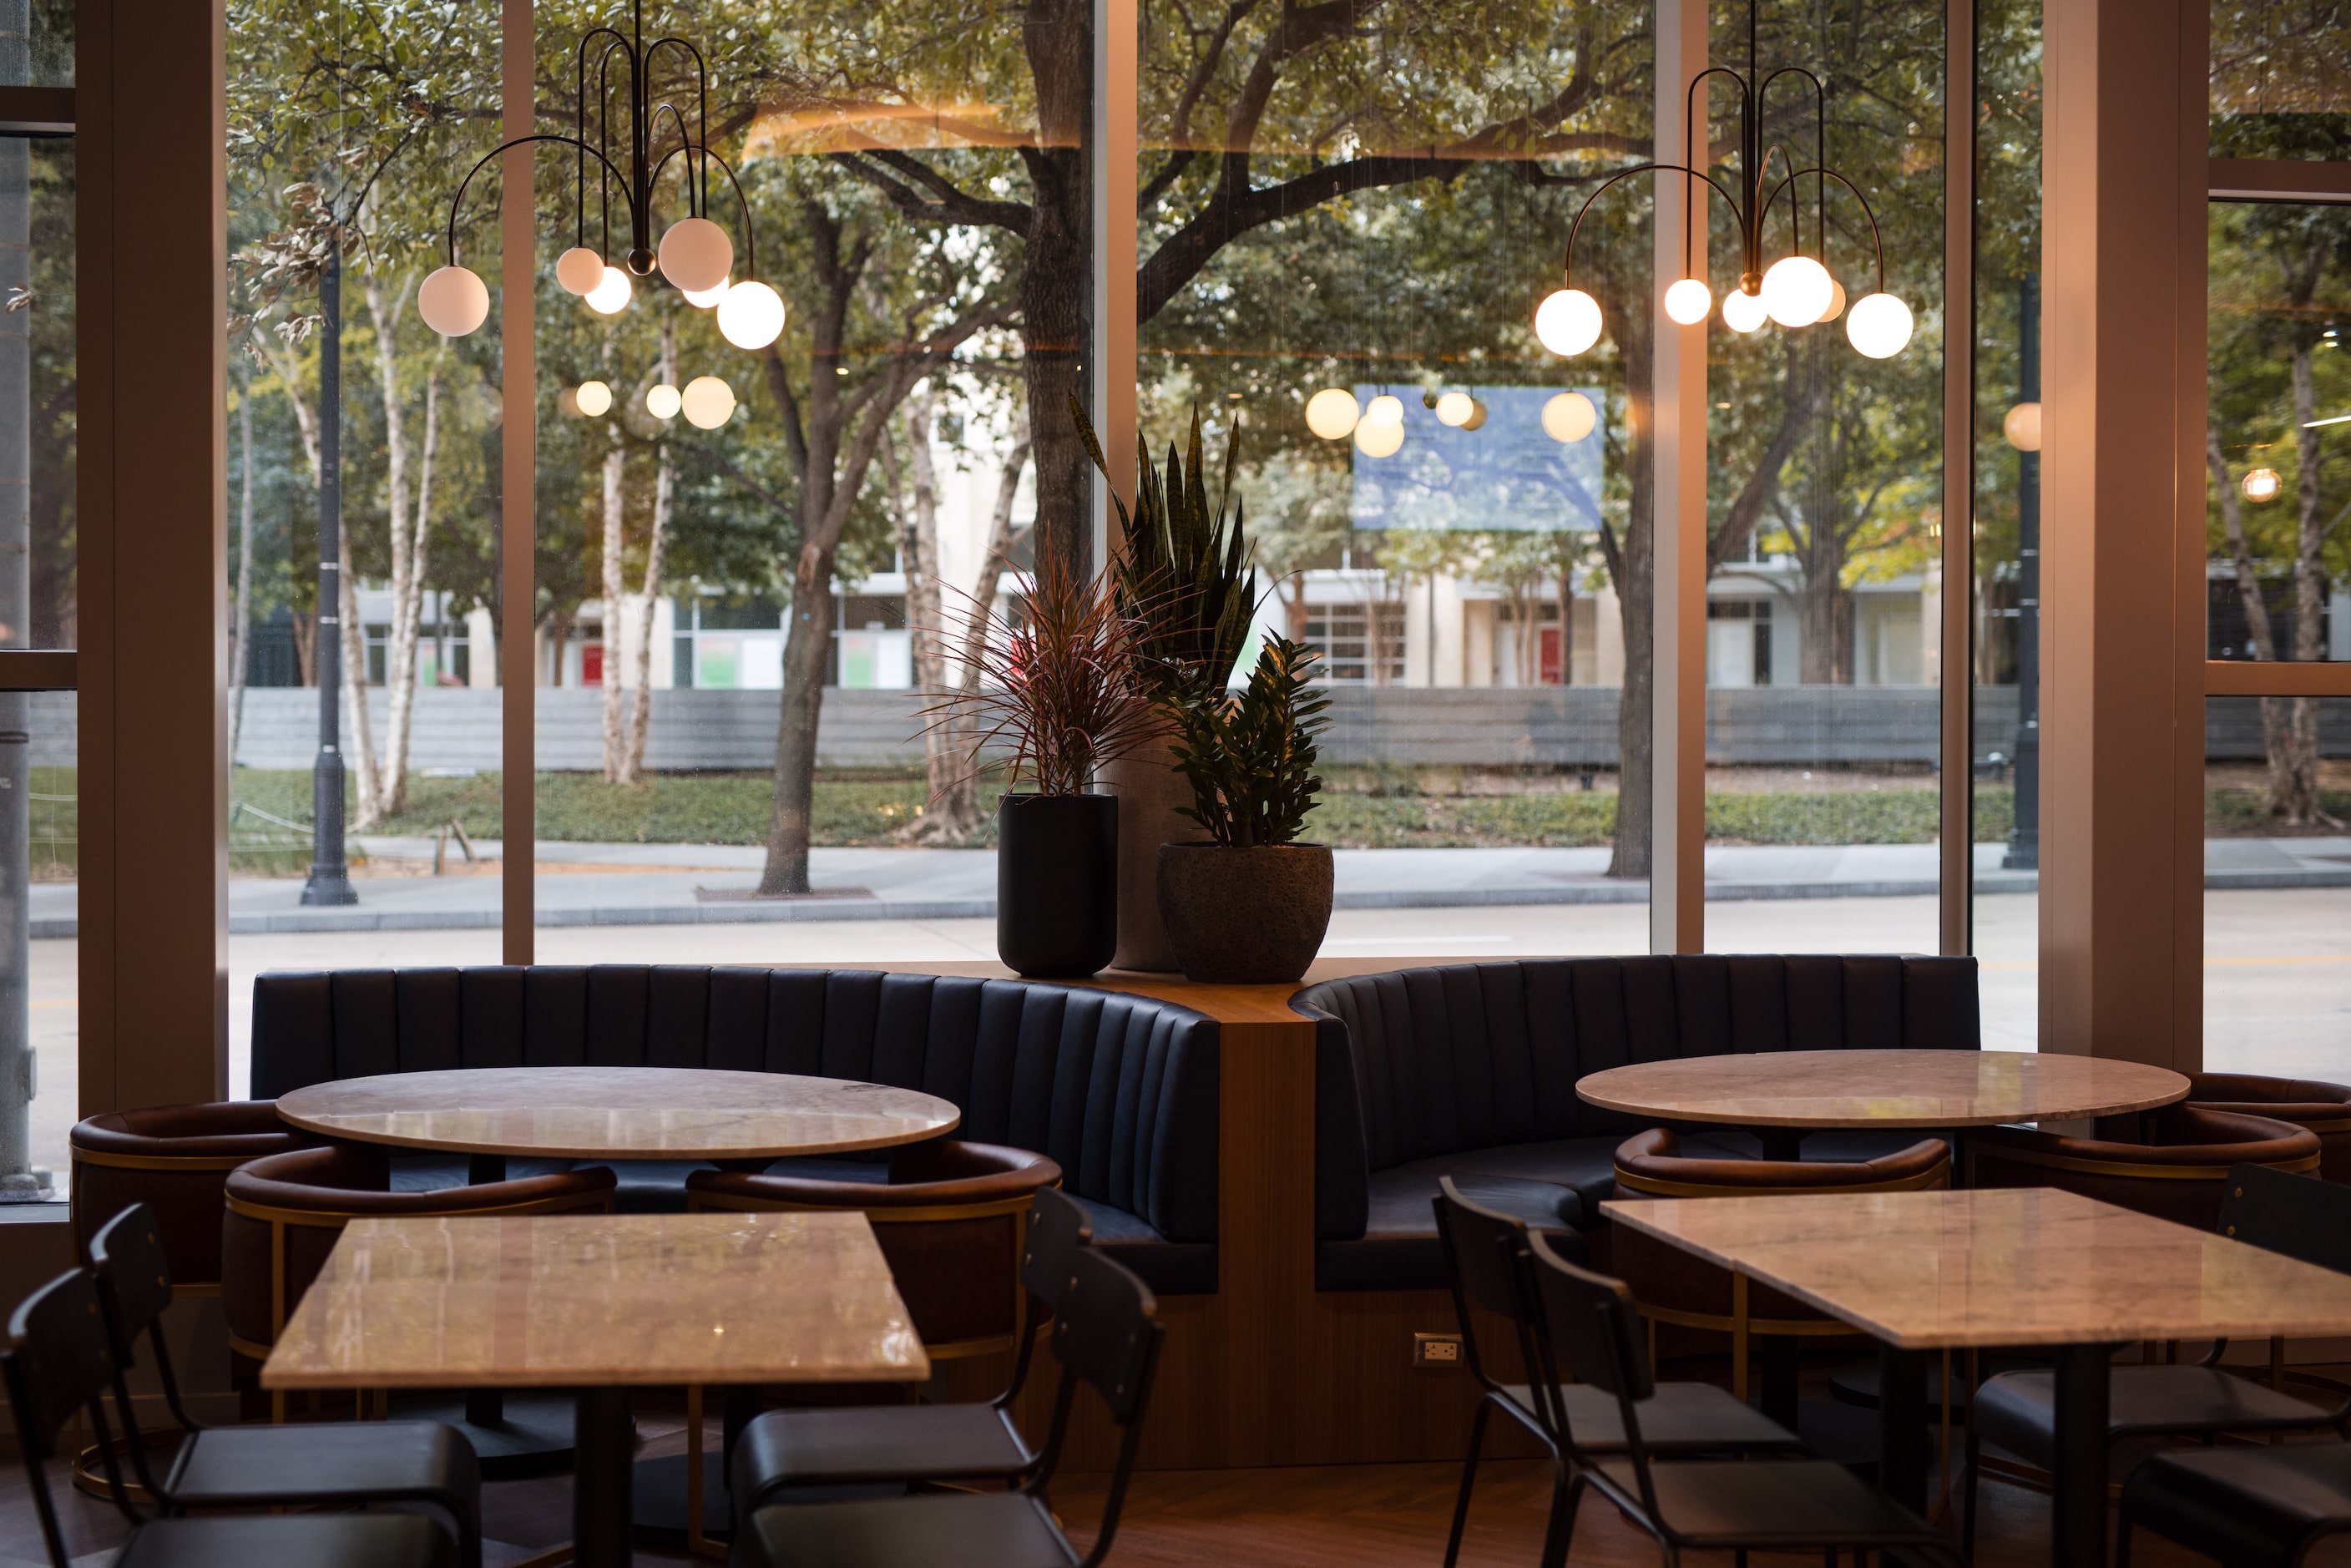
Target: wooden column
x,y
151,314
2124,176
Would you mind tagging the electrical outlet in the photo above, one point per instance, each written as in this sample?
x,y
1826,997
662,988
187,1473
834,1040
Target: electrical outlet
x,y
1438,1350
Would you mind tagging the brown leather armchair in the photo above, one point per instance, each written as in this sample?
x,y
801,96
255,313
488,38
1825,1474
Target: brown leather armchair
x,y
951,1220
2321,1108
285,1211
1681,1289
2180,1174
176,1160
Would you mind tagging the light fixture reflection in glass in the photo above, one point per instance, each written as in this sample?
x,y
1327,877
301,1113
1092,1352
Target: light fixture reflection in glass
x,y
1331,413
2022,427
1742,311
1568,322
704,298
695,254
609,297
751,316
2262,485
1837,301
1454,409
1879,325
1379,438
454,301
1797,290
1569,417
708,403
579,269
1689,301
595,398
664,402
1477,419
1387,409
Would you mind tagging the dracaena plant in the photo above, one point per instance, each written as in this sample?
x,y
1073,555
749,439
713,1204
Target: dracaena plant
x,y
1183,574
1250,754
1057,695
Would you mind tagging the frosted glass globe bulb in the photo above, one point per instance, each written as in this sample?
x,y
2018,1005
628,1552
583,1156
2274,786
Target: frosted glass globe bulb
x,y
1569,417
751,316
704,298
1689,301
1742,311
1837,301
708,403
1879,325
695,254
664,402
595,398
1332,413
454,301
1797,290
610,296
1455,408
1379,438
579,269
2022,427
1387,409
1568,322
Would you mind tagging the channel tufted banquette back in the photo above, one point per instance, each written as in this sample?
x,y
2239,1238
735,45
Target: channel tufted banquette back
x,y
1418,1064
1121,1091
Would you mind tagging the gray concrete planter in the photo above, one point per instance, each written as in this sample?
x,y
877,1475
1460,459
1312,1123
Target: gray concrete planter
x,y
1253,916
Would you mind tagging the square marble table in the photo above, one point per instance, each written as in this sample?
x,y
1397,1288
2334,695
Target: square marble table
x,y
600,1304
1928,1271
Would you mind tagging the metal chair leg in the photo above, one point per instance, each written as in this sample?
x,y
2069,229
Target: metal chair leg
x,y
1468,1482
1967,1497
1559,1531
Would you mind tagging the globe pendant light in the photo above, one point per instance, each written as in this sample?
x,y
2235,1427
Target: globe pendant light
x,y
1332,414
1387,409
1569,417
1455,408
627,147
751,315
1795,290
708,403
1379,437
595,398
664,402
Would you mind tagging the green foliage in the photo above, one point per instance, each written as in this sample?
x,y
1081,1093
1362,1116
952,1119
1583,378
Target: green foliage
x,y
1250,755
1184,577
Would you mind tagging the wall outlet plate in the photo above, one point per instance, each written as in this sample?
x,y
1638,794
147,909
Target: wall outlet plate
x,y
1438,1350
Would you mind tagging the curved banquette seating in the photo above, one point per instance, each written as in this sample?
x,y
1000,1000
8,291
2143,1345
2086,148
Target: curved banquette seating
x,y
175,1160
2180,1173
2324,1109
1469,1071
1119,1091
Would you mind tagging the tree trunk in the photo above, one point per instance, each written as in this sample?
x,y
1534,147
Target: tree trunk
x,y
2277,735
786,873
2294,787
1632,566
1057,274
360,743
953,811
407,590
641,605
616,602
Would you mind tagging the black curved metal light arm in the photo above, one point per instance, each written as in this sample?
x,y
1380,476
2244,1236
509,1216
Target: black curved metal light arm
x,y
1567,268
1819,154
458,201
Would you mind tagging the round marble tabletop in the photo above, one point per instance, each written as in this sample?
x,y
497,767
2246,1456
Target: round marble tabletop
x,y
618,1113
1883,1088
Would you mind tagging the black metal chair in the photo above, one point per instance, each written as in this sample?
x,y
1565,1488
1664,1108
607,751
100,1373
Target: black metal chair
x,y
317,1465
1107,1335
57,1363
2300,1216
2249,1508
1589,1328
1486,1254
920,1442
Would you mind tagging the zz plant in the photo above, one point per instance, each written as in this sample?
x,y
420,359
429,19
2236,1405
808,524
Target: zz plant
x,y
1250,754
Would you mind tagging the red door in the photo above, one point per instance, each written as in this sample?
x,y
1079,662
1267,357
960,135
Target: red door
x,y
1553,675
591,664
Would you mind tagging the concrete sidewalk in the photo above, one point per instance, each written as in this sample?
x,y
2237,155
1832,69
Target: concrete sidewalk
x,y
668,884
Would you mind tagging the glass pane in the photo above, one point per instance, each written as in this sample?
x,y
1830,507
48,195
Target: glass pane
x,y
2278,447
1475,577
2281,74
2277,909
2007,588
36,382
40,975
1824,470
338,192
706,584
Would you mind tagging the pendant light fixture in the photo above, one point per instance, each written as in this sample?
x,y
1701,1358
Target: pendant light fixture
x,y
1795,290
695,254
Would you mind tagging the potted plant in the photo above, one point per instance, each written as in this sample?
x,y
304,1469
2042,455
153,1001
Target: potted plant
x,y
1185,583
1251,905
1057,700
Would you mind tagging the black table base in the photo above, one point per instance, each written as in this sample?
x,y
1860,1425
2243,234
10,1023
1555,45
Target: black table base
x,y
516,1436
602,1526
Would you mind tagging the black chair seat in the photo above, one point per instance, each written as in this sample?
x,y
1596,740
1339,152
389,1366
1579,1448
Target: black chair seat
x,y
1680,1417
1543,1185
997,1530
2251,1507
320,1463
1791,1503
1169,1268
885,1442
2018,1410
313,1540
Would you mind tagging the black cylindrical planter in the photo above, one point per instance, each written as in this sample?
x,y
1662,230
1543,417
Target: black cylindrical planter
x,y
1056,884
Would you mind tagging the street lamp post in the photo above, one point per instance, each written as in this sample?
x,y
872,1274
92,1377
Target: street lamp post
x,y
330,881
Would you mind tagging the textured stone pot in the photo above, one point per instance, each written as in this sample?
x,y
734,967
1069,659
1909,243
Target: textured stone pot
x,y
1245,917
1056,884
1149,792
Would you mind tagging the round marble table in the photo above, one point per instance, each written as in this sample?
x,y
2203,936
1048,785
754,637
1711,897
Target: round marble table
x,y
1784,1094
618,1113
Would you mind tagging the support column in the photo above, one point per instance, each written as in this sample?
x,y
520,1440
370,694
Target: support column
x,y
518,525
2125,176
1678,732
1958,571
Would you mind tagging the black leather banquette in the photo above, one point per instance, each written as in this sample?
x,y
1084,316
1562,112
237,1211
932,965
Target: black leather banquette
x,y
1469,1071
1122,1091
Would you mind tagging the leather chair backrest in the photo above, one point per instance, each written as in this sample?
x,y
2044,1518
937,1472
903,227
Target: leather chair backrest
x,y
1421,1062
1121,1091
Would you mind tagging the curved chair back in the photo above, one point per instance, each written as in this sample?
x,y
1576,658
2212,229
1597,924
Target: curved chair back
x,y
56,1366
952,1220
2182,1175
1587,1330
133,1274
1058,1227
175,1160
1485,1258
1680,1290
283,1213
2324,1109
